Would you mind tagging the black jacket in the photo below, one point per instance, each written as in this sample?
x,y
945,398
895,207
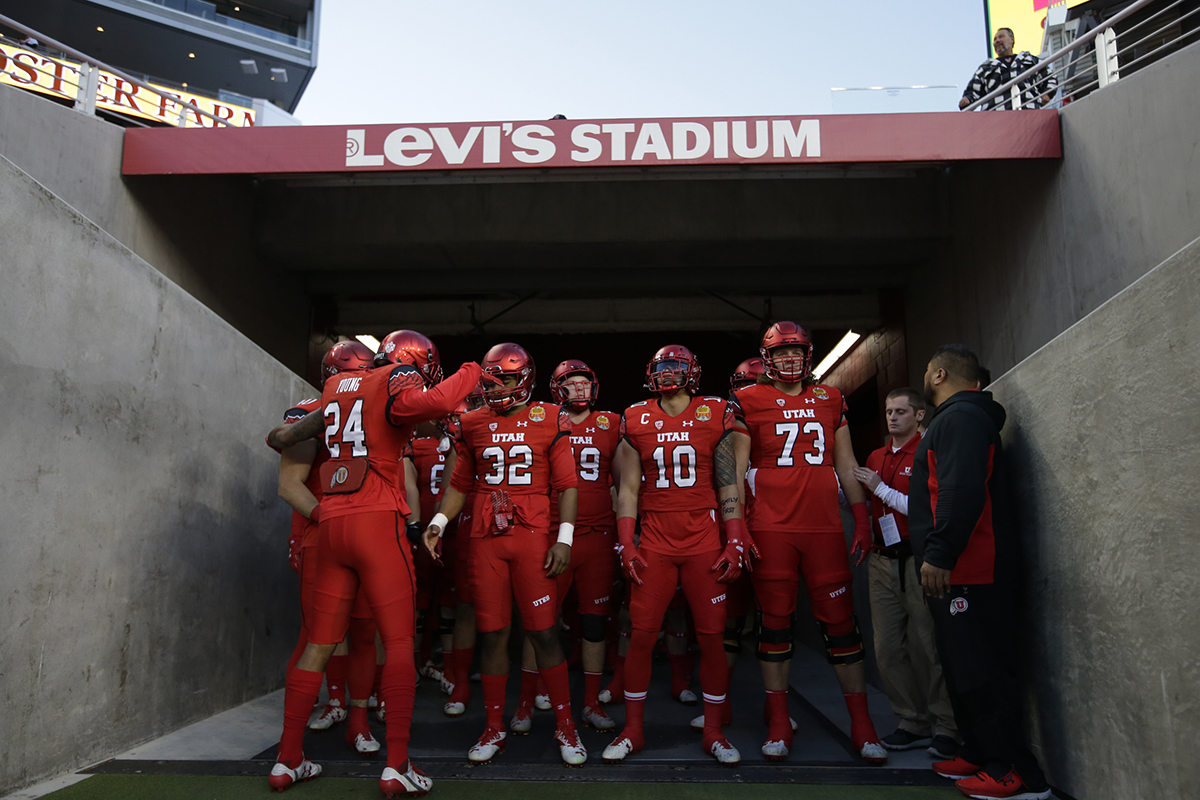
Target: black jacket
x,y
959,514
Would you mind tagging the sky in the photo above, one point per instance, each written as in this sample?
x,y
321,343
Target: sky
x,y
389,61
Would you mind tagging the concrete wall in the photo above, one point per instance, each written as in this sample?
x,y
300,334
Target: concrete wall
x,y
1035,247
1103,441
142,544
196,232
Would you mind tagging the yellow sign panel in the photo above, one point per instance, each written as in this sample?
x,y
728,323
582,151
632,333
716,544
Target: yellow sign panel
x,y
37,72
1027,18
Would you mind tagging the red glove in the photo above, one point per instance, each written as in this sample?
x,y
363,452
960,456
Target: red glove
x,y
294,554
728,565
631,559
751,550
314,516
862,533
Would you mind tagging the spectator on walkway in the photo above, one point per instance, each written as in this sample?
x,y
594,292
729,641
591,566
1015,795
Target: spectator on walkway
x,y
1035,91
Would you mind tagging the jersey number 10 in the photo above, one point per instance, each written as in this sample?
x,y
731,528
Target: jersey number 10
x,y
683,463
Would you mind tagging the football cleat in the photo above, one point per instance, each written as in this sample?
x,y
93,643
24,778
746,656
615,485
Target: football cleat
x,y
1010,787
413,783
381,712
522,721
609,699
956,769
453,709
597,718
430,671
621,748
365,744
569,747
282,776
542,702
332,715
726,754
490,744
873,753
447,685
373,701
687,697
775,750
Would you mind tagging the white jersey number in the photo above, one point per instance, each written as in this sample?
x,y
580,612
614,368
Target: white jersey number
x,y
353,434
518,461
589,463
683,467
792,431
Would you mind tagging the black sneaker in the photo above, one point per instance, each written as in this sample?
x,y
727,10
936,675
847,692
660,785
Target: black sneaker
x,y
903,740
943,747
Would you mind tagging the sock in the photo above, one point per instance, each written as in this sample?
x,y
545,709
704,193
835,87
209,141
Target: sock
x,y
462,675
398,691
637,681
448,662
377,684
529,685
681,676
714,681
559,689
862,729
616,686
494,688
779,724
335,677
360,672
541,684
357,724
591,688
635,707
302,689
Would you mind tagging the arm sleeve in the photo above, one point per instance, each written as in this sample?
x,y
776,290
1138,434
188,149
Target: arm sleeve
x,y
408,404
893,498
962,465
463,478
562,463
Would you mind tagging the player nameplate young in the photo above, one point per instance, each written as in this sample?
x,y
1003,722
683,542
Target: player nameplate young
x,y
343,477
891,534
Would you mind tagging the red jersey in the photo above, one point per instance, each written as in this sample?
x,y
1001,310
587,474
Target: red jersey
x,y
791,454
301,532
369,420
428,455
594,440
526,455
677,465
895,470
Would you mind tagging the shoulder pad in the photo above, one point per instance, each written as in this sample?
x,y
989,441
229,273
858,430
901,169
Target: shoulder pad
x,y
640,403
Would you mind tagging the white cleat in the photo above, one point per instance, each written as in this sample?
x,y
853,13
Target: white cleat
x,y
598,718
490,744
365,744
775,751
688,697
381,713
605,696
373,701
542,702
454,709
413,783
282,776
447,685
332,715
697,723
873,753
570,748
522,721
726,754
620,749
430,671
794,725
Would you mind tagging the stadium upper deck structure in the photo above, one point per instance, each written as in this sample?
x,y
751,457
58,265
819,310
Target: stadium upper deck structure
x,y
166,289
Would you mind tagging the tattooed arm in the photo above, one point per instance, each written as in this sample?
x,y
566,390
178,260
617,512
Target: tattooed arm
x,y
289,435
729,483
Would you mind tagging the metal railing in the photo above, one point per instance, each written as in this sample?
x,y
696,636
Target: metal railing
x,y
208,11
88,87
1080,69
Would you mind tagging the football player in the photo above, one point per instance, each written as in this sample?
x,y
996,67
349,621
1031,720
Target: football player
x,y
746,374
794,433
300,487
681,444
512,453
367,420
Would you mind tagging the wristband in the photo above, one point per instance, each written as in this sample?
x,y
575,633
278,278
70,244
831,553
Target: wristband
x,y
626,526
441,520
735,530
566,533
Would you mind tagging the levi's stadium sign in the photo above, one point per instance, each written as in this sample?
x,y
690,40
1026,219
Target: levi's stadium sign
x,y
843,139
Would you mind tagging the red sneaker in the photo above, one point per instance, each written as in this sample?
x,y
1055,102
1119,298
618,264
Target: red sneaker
x,y
957,768
984,787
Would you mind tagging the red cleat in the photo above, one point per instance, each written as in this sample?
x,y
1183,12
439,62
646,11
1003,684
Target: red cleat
x,y
956,768
984,787
414,783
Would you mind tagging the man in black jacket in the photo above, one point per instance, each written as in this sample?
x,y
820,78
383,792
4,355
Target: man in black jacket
x,y
965,546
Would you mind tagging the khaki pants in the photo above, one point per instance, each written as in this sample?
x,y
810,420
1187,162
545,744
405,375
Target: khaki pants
x,y
905,650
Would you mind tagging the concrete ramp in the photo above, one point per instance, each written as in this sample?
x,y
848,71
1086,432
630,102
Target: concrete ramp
x,y
142,546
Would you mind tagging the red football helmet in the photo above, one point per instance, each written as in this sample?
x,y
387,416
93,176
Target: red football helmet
x,y
786,369
558,389
746,373
673,367
414,349
346,357
508,359
450,423
475,398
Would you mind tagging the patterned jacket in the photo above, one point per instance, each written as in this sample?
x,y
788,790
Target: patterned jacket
x,y
995,72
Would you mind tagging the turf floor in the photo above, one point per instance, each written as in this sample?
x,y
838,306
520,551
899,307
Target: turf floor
x,y
188,787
